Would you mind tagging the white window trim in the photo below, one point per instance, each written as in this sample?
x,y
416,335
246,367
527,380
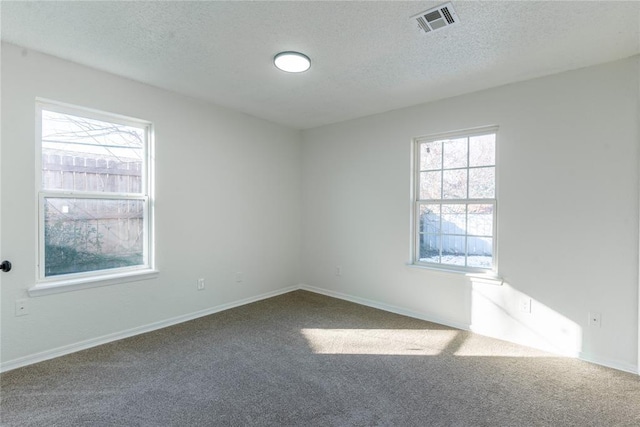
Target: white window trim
x,y
59,286
475,274
75,281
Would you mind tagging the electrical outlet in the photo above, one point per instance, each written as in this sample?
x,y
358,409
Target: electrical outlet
x,y
239,277
22,307
525,305
338,271
595,319
200,285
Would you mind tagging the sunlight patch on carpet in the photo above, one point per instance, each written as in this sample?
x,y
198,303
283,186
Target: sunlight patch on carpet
x,y
379,341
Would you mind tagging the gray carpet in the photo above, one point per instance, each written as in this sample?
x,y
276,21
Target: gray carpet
x,y
308,360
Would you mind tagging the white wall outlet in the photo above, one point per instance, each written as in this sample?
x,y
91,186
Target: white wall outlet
x,y
22,307
338,271
200,285
525,305
239,277
595,319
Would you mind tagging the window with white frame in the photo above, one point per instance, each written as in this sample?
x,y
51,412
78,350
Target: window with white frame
x,y
94,194
455,201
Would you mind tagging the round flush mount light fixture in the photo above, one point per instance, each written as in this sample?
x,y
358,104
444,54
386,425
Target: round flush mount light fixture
x,y
292,62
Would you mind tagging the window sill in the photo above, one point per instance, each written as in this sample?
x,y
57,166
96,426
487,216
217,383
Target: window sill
x,y
68,285
481,278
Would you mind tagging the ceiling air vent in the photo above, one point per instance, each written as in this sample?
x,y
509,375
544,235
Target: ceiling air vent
x,y
436,18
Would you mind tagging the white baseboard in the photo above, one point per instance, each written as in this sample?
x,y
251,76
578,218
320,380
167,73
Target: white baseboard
x,y
93,342
614,364
83,345
621,366
386,307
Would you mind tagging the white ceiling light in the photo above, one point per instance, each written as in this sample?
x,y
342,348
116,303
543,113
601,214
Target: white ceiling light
x,y
292,62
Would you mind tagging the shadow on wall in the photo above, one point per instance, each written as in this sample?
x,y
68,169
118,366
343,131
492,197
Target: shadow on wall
x,y
497,311
506,313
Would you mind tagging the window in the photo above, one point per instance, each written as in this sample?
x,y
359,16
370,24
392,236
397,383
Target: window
x,y
94,194
455,201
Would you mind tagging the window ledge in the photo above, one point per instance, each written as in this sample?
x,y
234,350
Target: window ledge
x,y
68,285
474,277
485,279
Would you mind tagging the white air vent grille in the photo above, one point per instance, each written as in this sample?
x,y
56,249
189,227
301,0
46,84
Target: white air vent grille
x,y
436,18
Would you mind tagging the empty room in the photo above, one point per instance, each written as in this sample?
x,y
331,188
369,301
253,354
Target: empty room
x,y
320,213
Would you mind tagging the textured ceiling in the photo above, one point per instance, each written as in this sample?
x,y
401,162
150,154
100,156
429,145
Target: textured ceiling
x,y
367,57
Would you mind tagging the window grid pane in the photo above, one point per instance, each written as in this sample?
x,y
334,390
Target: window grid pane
x,y
90,155
482,183
454,153
92,234
459,234
431,185
101,222
455,225
431,156
482,150
454,184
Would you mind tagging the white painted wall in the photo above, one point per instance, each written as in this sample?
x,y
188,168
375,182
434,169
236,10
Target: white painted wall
x,y
568,212
227,200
